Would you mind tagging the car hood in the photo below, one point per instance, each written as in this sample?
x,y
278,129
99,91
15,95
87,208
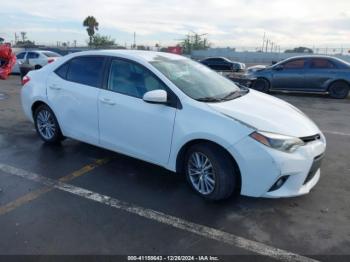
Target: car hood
x,y
267,113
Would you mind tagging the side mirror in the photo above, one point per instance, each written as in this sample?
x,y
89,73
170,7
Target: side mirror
x,y
278,68
156,96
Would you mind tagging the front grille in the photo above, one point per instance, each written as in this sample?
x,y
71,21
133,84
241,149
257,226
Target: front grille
x,y
308,139
313,170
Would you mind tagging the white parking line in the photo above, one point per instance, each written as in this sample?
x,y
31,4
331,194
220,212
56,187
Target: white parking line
x,y
207,232
336,133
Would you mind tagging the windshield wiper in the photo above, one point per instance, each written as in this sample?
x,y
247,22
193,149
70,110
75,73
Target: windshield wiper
x,y
209,99
231,95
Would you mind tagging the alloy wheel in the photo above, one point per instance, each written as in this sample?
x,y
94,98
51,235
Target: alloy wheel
x,y
46,124
201,173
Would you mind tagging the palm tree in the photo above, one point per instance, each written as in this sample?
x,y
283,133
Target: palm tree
x,y
91,25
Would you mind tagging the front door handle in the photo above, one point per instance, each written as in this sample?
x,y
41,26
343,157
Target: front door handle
x,y
107,101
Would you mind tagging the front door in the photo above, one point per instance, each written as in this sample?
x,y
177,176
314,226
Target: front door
x,y
127,123
289,75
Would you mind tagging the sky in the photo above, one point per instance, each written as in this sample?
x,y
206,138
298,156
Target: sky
x,y
235,23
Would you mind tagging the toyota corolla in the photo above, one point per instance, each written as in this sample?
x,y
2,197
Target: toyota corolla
x,y
178,114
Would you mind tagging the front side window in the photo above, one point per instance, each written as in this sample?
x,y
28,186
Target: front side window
x,y
32,55
295,64
132,79
21,55
86,70
320,63
194,79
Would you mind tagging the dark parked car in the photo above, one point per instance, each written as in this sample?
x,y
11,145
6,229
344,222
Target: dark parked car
x,y
223,64
316,74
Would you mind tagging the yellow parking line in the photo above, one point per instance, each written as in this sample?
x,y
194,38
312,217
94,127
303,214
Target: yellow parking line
x,y
41,191
84,170
23,200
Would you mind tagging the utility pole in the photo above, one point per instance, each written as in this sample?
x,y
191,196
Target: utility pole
x,y
16,38
272,46
263,43
134,40
267,44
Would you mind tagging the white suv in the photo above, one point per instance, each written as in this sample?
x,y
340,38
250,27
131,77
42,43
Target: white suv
x,y
38,59
179,114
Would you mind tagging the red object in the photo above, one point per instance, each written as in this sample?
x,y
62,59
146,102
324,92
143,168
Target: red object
x,y
8,60
175,50
25,80
50,60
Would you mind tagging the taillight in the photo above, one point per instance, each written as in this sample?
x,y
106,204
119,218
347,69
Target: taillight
x,y
51,60
25,80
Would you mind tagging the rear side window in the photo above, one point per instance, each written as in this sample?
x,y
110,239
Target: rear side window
x,y
320,63
295,64
62,70
86,70
21,55
32,55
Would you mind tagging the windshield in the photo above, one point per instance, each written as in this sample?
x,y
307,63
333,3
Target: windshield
x,y
51,54
194,79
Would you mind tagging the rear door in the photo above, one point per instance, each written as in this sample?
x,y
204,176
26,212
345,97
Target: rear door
x,y
73,92
289,75
34,59
20,58
319,72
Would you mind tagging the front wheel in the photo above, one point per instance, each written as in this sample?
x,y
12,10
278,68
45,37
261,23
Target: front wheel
x,y
210,171
46,125
262,85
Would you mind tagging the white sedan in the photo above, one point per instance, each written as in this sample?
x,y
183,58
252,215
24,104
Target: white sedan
x,y
181,115
37,58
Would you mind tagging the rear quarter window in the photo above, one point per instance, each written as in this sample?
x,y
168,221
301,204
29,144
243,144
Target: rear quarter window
x,y
62,70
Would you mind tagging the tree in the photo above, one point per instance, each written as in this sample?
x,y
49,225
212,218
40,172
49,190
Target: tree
x,y
300,49
91,25
194,42
25,42
101,41
24,36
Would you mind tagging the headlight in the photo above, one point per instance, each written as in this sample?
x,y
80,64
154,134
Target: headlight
x,y
280,142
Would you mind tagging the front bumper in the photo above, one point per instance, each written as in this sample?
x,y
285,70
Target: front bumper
x,y
261,167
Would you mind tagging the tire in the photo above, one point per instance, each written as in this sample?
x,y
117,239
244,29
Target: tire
x,y
46,125
222,174
37,67
339,90
262,85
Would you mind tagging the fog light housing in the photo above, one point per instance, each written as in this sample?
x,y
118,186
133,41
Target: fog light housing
x,y
279,183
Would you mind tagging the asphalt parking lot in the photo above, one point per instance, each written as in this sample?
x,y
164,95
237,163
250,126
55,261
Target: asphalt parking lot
x,y
77,199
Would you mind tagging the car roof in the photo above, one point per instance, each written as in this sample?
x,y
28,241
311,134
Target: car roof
x,y
147,56
216,57
310,56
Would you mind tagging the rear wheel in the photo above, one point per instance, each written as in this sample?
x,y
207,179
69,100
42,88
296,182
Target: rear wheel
x,y
46,125
210,171
262,85
339,90
37,67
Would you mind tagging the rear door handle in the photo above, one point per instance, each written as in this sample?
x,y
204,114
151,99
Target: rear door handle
x,y
107,101
55,87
